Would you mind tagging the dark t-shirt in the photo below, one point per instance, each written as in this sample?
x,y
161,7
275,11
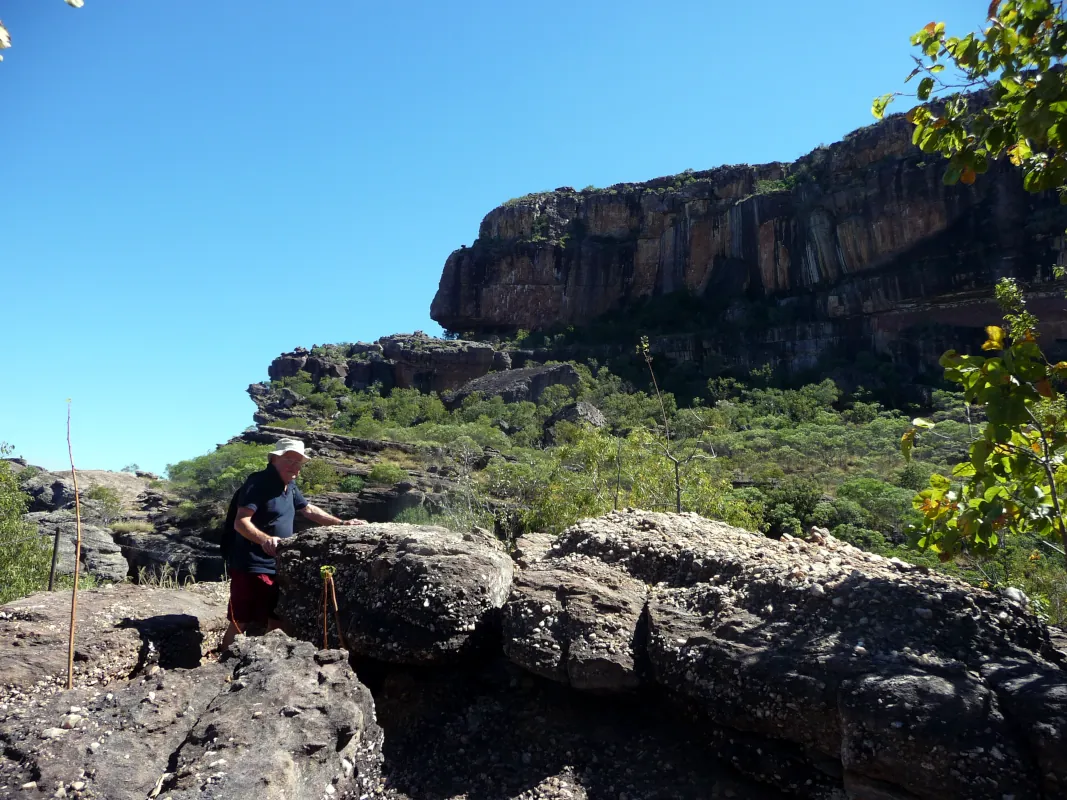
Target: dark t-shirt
x,y
275,506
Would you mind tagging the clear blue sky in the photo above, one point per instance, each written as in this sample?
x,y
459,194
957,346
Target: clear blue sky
x,y
191,188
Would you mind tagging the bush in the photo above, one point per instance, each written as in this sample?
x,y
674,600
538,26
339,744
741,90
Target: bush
x,y
323,403
109,500
212,479
385,474
25,557
132,526
293,423
317,476
350,484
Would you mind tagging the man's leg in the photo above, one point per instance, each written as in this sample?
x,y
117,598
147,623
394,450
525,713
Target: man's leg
x,y
250,602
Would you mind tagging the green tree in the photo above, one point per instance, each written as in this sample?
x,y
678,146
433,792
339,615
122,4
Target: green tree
x,y
1017,60
1014,479
24,556
212,478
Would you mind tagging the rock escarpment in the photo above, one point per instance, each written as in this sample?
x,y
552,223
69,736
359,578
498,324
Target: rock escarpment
x,y
855,245
403,360
814,666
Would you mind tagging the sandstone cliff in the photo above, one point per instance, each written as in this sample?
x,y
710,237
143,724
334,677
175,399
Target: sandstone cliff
x,y
858,245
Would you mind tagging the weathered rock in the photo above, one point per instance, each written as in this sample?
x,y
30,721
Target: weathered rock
x,y
121,749
99,554
517,385
834,652
119,628
178,554
580,413
372,504
855,246
280,720
402,360
407,593
293,723
49,491
576,624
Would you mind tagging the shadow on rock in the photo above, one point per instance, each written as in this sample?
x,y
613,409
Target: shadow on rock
x,y
498,732
173,641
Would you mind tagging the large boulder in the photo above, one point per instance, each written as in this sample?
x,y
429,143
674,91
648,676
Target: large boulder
x,y
897,681
48,491
408,594
178,554
100,555
580,413
279,720
516,385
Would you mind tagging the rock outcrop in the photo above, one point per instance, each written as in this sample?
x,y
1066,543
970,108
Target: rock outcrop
x,y
857,245
279,721
403,360
814,666
516,385
407,594
897,676
100,555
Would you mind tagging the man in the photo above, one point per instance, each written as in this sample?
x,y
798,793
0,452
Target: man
x,y
261,514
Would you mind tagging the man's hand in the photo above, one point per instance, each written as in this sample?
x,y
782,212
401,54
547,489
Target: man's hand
x,y
353,522
270,545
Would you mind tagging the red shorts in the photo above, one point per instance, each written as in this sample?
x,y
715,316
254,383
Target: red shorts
x,y
252,598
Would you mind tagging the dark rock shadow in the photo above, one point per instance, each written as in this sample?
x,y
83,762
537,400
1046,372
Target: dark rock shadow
x,y
173,641
494,732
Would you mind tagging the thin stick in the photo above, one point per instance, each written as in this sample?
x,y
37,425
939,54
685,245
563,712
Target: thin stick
x,y
325,628
77,559
337,615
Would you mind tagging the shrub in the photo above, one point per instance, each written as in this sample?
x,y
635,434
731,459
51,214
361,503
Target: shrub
x,y
132,526
323,403
213,478
24,556
293,423
317,476
385,474
109,500
351,484
26,473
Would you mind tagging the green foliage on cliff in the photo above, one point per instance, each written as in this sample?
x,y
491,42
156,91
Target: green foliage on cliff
x,y
211,479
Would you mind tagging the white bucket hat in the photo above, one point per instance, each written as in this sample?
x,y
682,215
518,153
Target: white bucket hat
x,y
289,446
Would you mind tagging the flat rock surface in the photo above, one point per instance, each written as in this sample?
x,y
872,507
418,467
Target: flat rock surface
x,y
118,628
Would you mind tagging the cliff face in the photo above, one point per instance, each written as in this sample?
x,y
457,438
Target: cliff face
x,y
856,244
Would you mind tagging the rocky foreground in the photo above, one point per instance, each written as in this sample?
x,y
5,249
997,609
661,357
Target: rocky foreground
x,y
639,655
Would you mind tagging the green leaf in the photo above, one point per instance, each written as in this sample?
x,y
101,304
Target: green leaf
x,y
919,422
926,85
879,105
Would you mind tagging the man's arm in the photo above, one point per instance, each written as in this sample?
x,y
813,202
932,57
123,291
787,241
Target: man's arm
x,y
320,517
243,525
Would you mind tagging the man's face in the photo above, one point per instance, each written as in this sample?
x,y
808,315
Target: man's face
x,y
288,465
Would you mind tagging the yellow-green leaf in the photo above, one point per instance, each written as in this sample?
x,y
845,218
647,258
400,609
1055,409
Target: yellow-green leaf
x,y
996,338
